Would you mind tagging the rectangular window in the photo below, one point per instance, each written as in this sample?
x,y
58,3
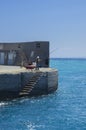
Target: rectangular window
x,y
37,45
11,57
1,46
1,58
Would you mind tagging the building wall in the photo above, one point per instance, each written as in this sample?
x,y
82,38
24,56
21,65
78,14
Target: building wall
x,y
16,53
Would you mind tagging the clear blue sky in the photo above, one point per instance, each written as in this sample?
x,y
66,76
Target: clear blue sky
x,y
62,22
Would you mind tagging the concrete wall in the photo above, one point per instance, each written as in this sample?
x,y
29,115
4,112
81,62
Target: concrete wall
x,y
52,80
25,77
12,84
47,83
41,86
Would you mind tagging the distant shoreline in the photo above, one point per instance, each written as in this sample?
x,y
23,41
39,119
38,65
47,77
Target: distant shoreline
x,y
67,58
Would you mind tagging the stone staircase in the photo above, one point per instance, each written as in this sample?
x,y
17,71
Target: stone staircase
x,y
31,84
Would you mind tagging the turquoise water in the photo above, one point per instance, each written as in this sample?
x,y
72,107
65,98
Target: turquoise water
x,y
63,110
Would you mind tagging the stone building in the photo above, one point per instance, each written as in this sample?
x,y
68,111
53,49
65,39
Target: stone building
x,y
24,52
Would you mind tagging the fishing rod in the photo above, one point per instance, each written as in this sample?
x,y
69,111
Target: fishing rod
x,y
53,50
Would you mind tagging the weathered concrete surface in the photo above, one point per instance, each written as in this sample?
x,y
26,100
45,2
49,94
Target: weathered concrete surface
x,y
13,79
52,80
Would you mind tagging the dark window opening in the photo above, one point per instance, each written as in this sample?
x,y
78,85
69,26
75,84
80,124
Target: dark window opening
x,y
47,62
19,46
38,45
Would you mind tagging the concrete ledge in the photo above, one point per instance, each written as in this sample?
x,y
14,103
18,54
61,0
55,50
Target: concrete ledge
x,y
13,80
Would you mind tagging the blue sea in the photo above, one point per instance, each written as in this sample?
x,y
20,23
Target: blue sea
x,y
64,109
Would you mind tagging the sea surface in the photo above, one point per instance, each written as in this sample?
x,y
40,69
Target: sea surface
x,y
64,109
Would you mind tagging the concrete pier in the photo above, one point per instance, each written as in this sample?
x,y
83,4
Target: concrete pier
x,y
17,82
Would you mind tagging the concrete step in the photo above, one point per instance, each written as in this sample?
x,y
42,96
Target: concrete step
x,y
31,82
29,85
28,88
23,93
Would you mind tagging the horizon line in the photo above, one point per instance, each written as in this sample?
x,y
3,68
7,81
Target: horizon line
x,y
67,57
